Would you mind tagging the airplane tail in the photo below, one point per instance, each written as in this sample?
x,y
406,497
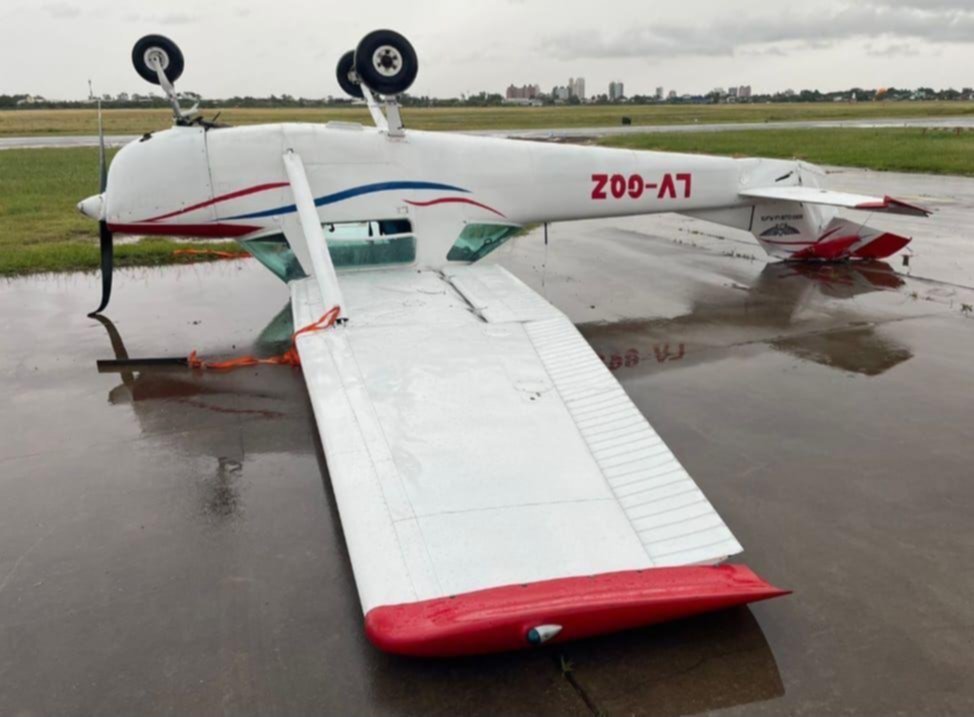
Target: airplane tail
x,y
793,218
838,239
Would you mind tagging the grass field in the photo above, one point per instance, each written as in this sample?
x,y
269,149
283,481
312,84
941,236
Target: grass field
x,y
67,122
40,230
907,150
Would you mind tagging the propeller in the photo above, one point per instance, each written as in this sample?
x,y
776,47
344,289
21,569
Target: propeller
x,y
104,233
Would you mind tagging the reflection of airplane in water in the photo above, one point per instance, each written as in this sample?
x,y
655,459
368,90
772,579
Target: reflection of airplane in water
x,y
783,309
223,415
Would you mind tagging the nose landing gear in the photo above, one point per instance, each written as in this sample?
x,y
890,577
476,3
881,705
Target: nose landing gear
x,y
159,60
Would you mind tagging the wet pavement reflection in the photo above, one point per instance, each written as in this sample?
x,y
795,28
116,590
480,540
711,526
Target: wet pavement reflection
x,y
169,542
781,308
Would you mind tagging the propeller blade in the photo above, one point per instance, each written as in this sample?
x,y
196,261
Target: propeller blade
x,y
107,262
104,234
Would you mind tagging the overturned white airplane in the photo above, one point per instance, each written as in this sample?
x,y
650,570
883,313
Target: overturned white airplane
x,y
497,488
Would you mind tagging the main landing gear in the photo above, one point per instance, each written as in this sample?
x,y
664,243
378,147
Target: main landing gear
x,y
384,62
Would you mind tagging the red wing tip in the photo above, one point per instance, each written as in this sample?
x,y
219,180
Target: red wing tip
x,y
510,617
896,206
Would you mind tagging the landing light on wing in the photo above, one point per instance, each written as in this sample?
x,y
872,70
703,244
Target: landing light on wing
x,y
542,633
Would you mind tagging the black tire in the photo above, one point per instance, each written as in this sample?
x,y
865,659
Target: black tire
x,y
171,54
345,71
385,62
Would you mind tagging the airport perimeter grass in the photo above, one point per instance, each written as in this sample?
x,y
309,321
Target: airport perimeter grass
x,y
73,122
906,150
40,230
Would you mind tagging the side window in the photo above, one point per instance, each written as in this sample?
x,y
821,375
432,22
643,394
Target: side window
x,y
372,243
351,244
275,253
478,240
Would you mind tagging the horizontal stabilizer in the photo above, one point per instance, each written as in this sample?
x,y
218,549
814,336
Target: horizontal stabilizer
x,y
814,195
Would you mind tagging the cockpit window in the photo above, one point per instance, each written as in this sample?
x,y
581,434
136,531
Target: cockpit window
x,y
373,243
351,244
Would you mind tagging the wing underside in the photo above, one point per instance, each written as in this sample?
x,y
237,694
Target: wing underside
x,y
484,461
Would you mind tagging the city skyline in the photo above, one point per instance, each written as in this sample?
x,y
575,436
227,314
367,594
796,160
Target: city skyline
x,y
234,48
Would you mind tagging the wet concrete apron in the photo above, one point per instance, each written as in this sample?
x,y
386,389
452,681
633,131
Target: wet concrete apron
x,y
169,542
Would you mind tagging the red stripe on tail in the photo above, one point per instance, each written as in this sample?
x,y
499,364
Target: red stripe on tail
x,y
828,250
881,247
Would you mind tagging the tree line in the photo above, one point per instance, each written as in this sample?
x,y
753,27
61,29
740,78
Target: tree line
x,y
490,99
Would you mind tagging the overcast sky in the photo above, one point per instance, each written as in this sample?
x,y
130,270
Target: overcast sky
x,y
240,47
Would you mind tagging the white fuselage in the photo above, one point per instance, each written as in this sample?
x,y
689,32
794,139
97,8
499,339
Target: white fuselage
x,y
232,183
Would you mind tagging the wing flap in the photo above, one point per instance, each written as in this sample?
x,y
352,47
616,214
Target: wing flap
x,y
814,195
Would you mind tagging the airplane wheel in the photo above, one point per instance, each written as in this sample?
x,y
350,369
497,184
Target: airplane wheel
x,y
168,54
347,79
386,62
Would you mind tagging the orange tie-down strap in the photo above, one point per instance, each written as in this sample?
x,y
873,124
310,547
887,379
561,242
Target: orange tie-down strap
x,y
288,358
212,253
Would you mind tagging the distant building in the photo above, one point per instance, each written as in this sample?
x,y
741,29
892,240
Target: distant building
x,y
576,87
525,92
732,92
616,91
659,93
31,100
671,95
744,92
560,93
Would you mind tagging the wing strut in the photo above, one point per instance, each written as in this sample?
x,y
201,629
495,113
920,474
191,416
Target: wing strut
x,y
312,234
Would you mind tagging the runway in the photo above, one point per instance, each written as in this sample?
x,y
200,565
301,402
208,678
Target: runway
x,y
169,542
966,122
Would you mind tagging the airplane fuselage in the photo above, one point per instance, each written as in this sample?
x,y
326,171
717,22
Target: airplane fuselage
x,y
232,183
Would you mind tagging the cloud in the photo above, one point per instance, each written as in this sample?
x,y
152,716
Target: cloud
x,y
899,49
62,10
933,5
929,20
164,18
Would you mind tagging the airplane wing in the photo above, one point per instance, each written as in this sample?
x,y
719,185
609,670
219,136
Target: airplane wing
x,y
496,486
814,195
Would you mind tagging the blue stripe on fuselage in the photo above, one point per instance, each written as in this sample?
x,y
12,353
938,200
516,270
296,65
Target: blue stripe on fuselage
x,y
348,194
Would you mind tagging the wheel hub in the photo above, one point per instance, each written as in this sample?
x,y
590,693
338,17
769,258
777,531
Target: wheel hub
x,y
387,61
156,55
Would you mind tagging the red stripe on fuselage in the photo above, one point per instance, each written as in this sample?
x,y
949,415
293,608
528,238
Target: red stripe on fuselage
x,y
221,198
201,231
454,200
